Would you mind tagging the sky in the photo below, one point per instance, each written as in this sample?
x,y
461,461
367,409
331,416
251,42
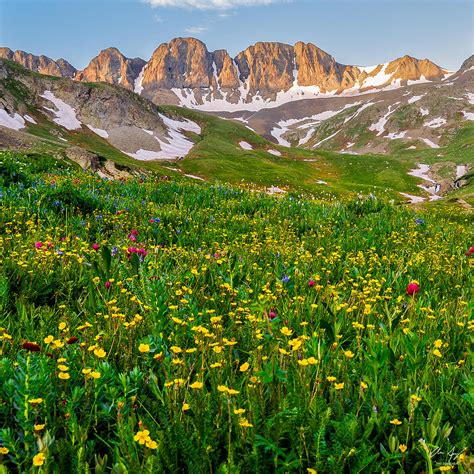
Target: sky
x,y
355,32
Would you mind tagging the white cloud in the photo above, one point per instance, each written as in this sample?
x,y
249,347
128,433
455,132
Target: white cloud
x,y
209,4
196,30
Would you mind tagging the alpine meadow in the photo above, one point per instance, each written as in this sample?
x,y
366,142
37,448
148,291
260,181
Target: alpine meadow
x,y
252,262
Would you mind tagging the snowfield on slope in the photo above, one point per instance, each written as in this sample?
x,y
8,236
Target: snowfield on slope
x,y
15,123
65,114
175,145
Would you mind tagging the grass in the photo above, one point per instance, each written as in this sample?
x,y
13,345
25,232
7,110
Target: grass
x,y
173,326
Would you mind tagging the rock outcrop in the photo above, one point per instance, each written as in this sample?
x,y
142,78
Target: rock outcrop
x,y
113,67
41,64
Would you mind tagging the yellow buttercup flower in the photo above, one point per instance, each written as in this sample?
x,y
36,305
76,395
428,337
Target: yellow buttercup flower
x,y
196,385
35,401
100,353
142,437
286,331
64,375
395,422
143,348
245,423
151,444
244,367
39,459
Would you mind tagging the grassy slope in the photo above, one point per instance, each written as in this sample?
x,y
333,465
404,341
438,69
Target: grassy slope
x,y
218,156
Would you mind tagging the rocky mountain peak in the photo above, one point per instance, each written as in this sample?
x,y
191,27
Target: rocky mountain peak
x,y
41,64
111,66
467,64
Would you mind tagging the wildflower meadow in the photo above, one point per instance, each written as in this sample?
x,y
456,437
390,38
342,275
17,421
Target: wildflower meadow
x,y
176,326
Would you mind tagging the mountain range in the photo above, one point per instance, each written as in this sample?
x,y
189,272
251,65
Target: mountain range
x,y
271,111
183,72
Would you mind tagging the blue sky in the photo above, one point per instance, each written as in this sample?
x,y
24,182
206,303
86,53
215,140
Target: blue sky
x,y
354,32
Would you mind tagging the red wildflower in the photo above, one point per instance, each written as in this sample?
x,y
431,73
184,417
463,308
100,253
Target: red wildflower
x,y
413,288
31,346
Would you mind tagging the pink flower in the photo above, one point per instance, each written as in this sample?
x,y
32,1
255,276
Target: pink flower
x,y
311,283
107,284
134,232
413,288
272,315
96,246
38,245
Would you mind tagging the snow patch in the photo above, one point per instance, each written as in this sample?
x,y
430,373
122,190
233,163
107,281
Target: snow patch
x,y
470,97
430,143
415,98
285,125
461,170
137,84
99,131
424,112
15,123
468,115
186,125
396,135
413,199
245,145
421,80
421,172
325,139
194,177
435,123
173,146
379,126
30,119
274,152
275,190
65,114
379,79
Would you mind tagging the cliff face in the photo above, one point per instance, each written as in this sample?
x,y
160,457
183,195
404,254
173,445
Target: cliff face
x,y
113,67
41,64
184,71
182,63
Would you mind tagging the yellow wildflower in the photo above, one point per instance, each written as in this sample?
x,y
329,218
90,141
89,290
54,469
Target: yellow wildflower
x,y
143,348
142,437
38,459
